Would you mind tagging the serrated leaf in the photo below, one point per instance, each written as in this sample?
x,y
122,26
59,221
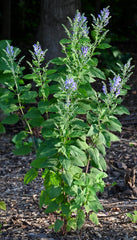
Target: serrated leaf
x,y
44,162
96,72
94,154
42,198
58,225
121,110
78,157
80,219
71,224
114,124
43,106
30,76
68,178
65,162
32,113
30,175
17,139
23,150
54,191
65,41
102,163
82,144
57,61
29,97
52,207
103,46
93,217
11,119
92,131
65,209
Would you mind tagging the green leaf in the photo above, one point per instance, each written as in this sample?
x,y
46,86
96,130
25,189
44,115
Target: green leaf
x,y
78,123
30,175
43,106
93,62
80,219
2,205
25,88
101,149
67,177
44,162
8,108
65,41
78,156
93,217
42,198
54,191
83,107
65,208
71,224
121,110
30,76
58,225
23,150
103,46
95,157
57,61
81,144
113,137
29,97
36,122
65,162
52,207
32,113
92,131
102,163
114,124
96,72
11,119
2,129
95,205
17,139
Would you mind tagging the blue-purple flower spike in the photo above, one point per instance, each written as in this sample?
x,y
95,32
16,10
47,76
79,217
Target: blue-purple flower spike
x,y
84,51
104,89
10,50
38,51
103,16
80,22
116,85
70,84
102,20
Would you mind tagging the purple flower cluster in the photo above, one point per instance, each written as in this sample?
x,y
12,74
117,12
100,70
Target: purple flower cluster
x,y
104,15
70,84
80,22
104,89
115,85
80,18
10,51
38,51
84,51
102,20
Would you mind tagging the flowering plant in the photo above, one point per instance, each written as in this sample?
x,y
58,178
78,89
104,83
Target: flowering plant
x,y
74,126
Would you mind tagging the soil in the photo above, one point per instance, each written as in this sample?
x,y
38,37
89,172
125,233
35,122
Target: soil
x,y
23,219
